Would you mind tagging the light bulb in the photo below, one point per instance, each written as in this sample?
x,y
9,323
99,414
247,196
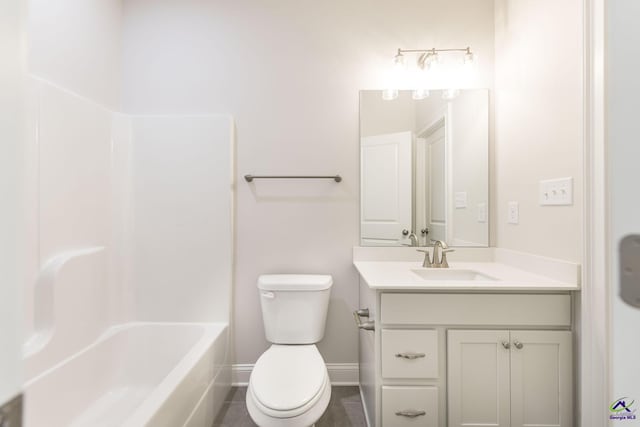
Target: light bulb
x,y
389,94
469,57
419,94
449,94
398,61
432,61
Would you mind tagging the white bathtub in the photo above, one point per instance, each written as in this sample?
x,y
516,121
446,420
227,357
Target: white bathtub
x,y
134,375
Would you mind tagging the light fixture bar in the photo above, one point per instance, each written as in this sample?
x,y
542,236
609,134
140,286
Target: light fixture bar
x,y
428,58
434,50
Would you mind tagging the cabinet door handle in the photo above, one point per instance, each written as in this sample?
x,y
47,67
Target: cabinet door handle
x,y
411,356
518,344
410,413
506,344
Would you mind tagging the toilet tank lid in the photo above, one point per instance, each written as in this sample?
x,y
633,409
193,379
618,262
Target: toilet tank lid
x,y
294,282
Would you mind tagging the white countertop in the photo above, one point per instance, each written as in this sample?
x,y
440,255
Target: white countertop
x,y
397,275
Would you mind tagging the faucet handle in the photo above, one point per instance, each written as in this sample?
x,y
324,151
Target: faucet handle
x,y
427,261
444,263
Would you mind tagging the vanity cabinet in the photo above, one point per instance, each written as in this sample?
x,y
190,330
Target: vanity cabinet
x,y
509,378
448,359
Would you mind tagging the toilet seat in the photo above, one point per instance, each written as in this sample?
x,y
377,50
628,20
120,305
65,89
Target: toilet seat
x,y
288,380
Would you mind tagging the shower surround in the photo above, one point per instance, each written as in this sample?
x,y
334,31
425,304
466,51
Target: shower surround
x,y
127,313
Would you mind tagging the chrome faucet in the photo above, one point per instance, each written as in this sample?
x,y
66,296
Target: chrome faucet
x,y
436,262
412,237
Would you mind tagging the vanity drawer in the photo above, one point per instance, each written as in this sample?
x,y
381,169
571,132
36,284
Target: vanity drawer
x,y
409,406
409,353
476,309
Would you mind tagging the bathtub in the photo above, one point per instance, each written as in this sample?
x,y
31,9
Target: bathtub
x,y
134,375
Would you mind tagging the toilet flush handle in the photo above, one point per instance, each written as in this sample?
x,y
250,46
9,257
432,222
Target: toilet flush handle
x,y
268,295
367,326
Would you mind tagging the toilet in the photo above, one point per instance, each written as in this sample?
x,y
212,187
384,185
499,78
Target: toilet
x,y
289,385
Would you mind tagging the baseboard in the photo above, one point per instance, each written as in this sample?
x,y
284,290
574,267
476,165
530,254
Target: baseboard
x,y
340,374
240,374
344,373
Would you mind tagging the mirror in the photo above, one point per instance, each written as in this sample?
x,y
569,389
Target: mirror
x,y
424,168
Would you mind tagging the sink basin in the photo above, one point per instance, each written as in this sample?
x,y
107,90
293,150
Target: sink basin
x,y
444,274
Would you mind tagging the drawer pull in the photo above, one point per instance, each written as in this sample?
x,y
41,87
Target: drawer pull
x,y
518,344
409,413
506,344
411,356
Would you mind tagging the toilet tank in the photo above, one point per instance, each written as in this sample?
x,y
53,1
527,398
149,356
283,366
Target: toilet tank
x,y
294,307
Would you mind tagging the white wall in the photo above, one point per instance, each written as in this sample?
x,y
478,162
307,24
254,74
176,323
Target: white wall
x,y
289,72
12,122
538,123
77,45
180,259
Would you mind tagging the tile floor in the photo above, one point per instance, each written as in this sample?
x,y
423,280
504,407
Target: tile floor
x,y
345,410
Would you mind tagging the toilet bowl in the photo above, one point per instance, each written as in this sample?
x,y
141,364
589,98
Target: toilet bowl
x,y
289,384
289,387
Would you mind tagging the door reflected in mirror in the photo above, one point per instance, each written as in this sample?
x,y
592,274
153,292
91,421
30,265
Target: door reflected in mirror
x,y
424,168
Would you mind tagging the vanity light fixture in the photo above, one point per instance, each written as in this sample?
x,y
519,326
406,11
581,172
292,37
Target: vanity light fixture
x,y
429,60
419,94
450,94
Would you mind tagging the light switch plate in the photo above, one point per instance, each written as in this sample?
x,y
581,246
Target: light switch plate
x,y
556,192
482,212
513,213
461,199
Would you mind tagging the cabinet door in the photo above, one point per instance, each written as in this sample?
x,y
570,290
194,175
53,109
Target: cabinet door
x,y
478,378
541,379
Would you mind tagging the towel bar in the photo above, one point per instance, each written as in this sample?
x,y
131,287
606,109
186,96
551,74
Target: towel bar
x,y
250,178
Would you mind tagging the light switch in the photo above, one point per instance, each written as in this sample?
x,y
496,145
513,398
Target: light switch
x,y
482,212
461,199
513,214
556,192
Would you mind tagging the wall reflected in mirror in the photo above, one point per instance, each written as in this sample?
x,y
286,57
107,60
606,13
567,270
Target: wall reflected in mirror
x,y
424,168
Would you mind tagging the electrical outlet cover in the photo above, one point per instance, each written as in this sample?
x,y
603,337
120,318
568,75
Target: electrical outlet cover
x,y
513,214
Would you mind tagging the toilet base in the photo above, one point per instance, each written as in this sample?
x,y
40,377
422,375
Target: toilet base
x,y
307,419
